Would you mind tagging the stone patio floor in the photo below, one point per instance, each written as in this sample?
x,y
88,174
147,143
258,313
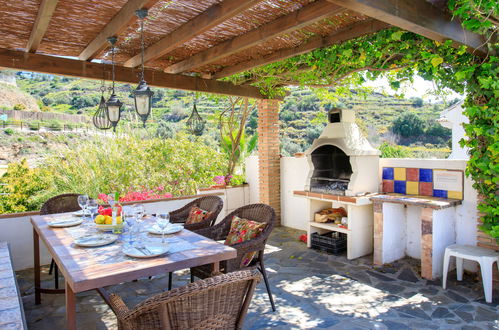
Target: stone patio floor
x,y
311,289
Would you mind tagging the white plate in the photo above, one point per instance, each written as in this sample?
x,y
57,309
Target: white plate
x,y
151,250
107,227
78,213
96,240
171,229
60,223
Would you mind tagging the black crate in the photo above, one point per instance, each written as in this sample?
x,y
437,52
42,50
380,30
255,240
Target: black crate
x,y
332,242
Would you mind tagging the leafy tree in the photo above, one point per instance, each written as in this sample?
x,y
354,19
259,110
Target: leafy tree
x,y
408,125
417,102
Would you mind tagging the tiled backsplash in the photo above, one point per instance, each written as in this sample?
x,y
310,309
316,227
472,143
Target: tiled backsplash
x,y
416,181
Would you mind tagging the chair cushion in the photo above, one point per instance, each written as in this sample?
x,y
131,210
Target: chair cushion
x,y
242,230
197,215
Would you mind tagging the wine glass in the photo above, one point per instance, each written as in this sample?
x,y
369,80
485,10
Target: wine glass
x,y
92,206
82,202
139,212
129,221
163,220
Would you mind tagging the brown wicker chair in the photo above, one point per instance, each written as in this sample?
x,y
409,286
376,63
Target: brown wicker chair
x,y
219,302
256,212
211,204
59,204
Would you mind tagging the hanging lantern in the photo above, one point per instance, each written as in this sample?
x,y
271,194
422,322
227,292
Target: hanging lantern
x,y
195,123
143,94
113,105
100,119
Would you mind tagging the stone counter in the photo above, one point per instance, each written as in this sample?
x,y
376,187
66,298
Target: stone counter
x,y
435,203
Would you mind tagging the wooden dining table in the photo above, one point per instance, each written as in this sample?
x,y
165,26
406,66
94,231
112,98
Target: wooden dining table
x,y
97,267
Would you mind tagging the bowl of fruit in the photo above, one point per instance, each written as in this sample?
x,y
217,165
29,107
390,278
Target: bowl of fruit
x,y
104,221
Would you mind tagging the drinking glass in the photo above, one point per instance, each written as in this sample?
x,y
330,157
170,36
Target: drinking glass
x,y
82,202
110,200
139,212
163,220
92,206
129,221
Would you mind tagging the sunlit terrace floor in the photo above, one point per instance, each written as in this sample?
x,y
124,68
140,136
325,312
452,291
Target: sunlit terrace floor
x,y
312,290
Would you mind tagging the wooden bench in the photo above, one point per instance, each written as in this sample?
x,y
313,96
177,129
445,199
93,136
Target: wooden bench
x,y
11,306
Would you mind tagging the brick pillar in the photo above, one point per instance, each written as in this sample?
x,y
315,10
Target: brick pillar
x,y
269,163
427,243
378,233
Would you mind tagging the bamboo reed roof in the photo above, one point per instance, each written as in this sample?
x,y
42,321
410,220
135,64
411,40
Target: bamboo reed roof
x,y
200,39
75,23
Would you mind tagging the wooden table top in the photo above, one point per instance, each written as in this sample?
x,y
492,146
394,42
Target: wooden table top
x,y
90,268
436,203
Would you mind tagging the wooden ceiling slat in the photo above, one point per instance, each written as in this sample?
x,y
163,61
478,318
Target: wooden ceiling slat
x,y
307,15
83,69
417,16
118,24
45,12
212,17
353,31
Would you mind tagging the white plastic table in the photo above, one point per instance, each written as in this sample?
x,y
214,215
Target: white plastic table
x,y
484,257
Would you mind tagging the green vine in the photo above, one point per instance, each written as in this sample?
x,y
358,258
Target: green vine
x,y
400,55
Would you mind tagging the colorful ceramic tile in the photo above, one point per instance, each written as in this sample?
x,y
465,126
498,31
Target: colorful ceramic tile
x,y
426,188
425,175
399,173
387,173
412,174
455,194
439,193
388,186
399,187
412,188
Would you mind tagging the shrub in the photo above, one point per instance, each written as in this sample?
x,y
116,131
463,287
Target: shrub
x,y
34,125
55,125
8,131
19,107
128,163
408,125
393,151
21,187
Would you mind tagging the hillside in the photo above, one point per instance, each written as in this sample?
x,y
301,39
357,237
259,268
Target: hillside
x,y
302,113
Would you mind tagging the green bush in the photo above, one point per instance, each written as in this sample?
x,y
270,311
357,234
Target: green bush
x,y
8,131
19,107
20,188
34,125
408,125
54,125
393,151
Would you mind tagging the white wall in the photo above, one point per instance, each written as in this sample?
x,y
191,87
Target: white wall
x,y
294,210
252,178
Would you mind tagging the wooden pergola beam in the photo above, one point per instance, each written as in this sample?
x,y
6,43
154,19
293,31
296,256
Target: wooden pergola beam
x,y
296,20
353,31
83,69
43,17
124,18
417,16
212,17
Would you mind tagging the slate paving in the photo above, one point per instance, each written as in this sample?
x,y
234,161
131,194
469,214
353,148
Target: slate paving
x,y
312,290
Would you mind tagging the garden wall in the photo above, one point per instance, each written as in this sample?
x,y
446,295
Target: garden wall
x,y
45,116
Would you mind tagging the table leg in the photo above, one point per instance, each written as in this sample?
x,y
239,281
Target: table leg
x,y
36,258
70,308
215,269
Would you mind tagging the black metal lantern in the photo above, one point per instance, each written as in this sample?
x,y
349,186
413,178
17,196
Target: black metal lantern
x,y
143,94
113,105
195,123
100,118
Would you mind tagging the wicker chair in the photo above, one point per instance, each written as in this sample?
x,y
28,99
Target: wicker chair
x,y
59,204
211,204
256,212
219,302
